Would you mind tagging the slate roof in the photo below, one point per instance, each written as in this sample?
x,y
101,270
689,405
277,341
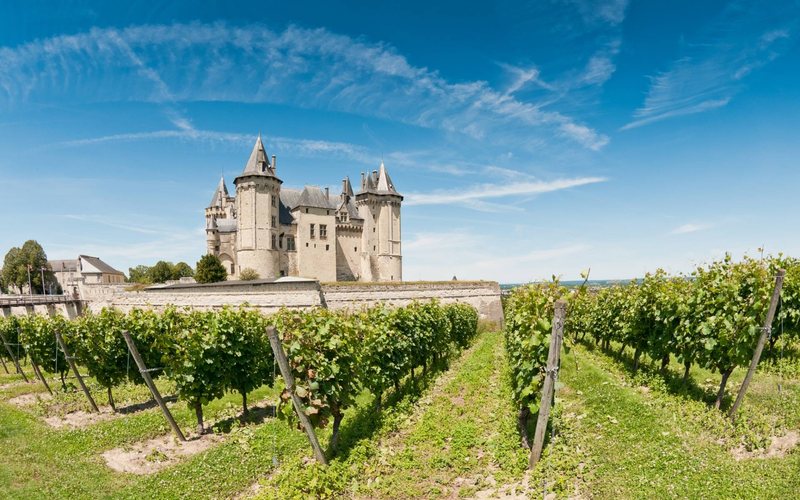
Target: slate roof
x,y
97,264
220,194
314,197
258,163
379,182
350,207
226,225
68,265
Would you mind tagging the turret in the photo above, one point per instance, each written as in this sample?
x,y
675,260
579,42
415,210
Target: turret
x,y
216,209
378,204
257,208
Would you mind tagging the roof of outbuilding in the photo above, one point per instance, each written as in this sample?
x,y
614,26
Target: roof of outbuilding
x,y
66,265
94,264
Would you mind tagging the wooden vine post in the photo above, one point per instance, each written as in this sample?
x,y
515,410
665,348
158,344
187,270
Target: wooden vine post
x,y
38,372
551,373
148,380
13,358
286,372
75,371
766,331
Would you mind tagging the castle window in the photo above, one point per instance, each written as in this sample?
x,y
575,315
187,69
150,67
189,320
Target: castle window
x,y
274,242
355,249
274,201
280,241
327,247
311,231
274,221
323,231
290,243
306,245
374,249
306,210
233,270
373,229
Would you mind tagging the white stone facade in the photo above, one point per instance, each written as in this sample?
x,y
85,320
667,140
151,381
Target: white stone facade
x,y
310,233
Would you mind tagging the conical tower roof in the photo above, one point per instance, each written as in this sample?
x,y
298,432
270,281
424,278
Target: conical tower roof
x,y
385,184
258,163
348,188
379,182
220,194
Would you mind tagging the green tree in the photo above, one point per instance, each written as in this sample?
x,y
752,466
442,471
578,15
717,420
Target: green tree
x,y
139,274
17,262
182,270
161,272
210,270
14,274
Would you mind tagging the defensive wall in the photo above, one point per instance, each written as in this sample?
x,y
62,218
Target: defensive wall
x,y
268,296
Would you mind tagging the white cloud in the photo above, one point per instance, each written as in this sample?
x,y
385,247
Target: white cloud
x,y
482,191
690,228
710,72
302,67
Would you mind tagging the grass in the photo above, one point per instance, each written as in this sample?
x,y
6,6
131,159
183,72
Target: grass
x,y
624,436
450,434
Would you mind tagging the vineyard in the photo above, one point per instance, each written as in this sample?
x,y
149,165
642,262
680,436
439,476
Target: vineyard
x,y
419,401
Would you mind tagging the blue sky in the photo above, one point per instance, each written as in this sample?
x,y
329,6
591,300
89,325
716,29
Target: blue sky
x,y
529,138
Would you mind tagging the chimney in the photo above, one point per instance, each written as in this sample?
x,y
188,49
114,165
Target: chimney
x,y
274,162
375,175
328,194
363,181
344,185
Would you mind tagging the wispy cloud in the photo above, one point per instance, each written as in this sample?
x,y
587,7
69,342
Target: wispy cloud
x,y
610,12
489,191
710,72
311,68
469,255
690,228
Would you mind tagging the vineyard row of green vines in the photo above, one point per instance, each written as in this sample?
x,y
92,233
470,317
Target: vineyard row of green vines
x,y
333,355
711,318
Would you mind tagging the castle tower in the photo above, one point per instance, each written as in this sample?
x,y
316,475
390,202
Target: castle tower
x,y
257,210
378,205
216,209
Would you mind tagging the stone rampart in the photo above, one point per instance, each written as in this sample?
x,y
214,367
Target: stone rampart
x,y
269,296
483,295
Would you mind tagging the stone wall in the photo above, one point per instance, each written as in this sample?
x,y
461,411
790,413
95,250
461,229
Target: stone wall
x,y
483,295
266,296
269,296
69,310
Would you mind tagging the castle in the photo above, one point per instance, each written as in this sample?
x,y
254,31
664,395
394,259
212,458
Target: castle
x,y
285,232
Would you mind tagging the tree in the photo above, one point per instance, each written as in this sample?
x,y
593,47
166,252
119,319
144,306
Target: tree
x,y
139,274
19,260
182,270
12,265
161,272
248,274
210,270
